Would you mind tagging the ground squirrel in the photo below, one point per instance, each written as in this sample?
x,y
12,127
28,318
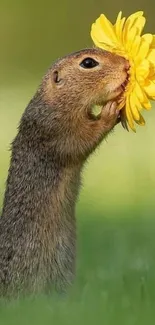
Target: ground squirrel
x,y
57,133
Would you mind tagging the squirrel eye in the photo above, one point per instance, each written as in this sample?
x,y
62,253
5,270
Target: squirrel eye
x,y
88,63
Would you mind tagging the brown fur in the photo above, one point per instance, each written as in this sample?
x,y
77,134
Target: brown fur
x,y
55,137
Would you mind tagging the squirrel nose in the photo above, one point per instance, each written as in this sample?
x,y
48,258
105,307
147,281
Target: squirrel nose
x,y
126,65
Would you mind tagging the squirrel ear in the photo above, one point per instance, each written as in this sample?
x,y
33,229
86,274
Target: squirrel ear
x,y
56,77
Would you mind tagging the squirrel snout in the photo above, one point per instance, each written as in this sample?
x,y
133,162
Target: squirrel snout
x,y
126,65
122,63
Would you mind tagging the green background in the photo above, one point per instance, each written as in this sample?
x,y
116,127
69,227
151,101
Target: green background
x,y
115,281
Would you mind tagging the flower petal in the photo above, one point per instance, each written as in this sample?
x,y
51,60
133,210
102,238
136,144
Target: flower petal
x,y
129,37
121,102
108,28
134,106
146,104
129,115
148,38
118,19
124,119
117,25
135,46
98,43
151,56
142,96
142,71
152,72
99,33
143,51
140,23
141,121
132,27
153,42
150,89
132,20
120,36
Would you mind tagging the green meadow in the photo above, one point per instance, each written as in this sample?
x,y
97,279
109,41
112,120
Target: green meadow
x,y
115,282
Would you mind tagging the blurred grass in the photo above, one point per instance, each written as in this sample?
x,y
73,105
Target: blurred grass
x,y
115,281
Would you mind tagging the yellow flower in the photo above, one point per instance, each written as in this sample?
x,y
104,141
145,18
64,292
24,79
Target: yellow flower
x,y
124,38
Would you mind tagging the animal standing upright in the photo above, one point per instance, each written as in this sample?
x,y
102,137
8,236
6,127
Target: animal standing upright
x,y
57,133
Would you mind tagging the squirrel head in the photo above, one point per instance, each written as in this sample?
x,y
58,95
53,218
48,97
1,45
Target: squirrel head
x,y
87,77
62,109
